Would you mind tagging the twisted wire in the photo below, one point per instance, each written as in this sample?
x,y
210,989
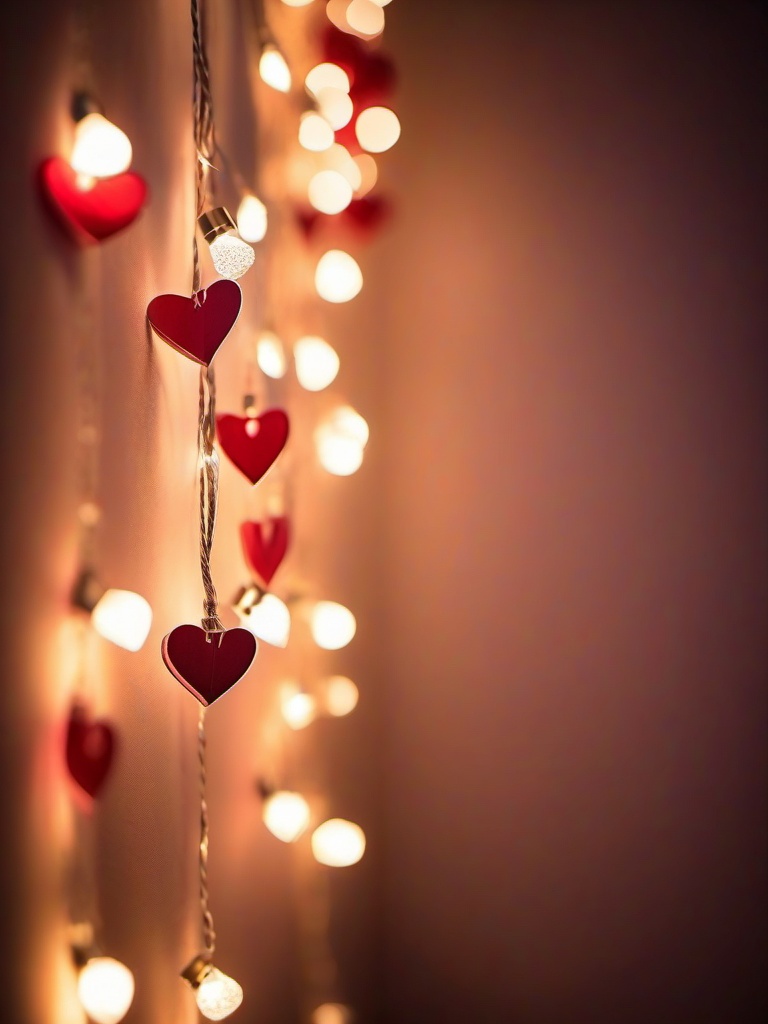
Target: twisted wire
x,y
209,491
209,932
203,126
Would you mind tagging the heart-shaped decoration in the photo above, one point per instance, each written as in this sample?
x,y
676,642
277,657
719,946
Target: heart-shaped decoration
x,y
90,747
265,545
196,327
208,664
91,210
253,443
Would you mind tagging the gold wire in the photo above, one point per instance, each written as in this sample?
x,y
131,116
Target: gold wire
x,y
209,933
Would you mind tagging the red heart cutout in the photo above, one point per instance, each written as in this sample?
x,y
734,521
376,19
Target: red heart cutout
x,y
196,329
265,551
94,212
253,443
90,747
208,664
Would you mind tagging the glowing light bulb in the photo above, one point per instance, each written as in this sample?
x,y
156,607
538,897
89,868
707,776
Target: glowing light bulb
x,y
101,149
123,617
338,277
105,989
381,3
329,192
316,363
332,625
270,355
273,69
269,620
341,696
218,995
302,3
251,219
335,106
298,707
231,256
351,423
326,76
369,173
315,134
366,17
338,843
331,1013
286,815
340,159
377,129
340,441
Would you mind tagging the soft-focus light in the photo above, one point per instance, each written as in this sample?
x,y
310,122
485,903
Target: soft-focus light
x,y
369,173
340,159
326,76
231,256
366,17
332,625
329,192
269,620
304,3
341,696
251,219
101,150
377,129
338,454
338,843
270,355
286,815
316,363
315,134
274,70
298,708
347,421
338,278
218,995
123,617
335,106
332,1013
381,3
105,989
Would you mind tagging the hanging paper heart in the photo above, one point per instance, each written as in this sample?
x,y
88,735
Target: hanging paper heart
x,y
93,211
208,664
265,545
90,748
197,329
253,443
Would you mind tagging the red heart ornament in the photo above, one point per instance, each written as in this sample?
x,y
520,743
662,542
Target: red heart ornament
x,y
90,748
265,545
93,212
253,443
197,328
208,664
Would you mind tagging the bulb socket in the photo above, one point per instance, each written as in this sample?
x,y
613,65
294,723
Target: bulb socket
x,y
81,940
84,104
247,598
217,221
88,591
196,970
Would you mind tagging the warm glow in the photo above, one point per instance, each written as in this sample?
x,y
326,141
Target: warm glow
x,y
332,625
366,17
377,129
101,150
122,617
338,454
335,106
369,173
105,989
338,278
329,192
326,76
270,355
269,620
315,134
252,219
331,1013
341,160
341,696
381,3
274,70
299,708
218,995
316,363
351,423
338,843
231,256
304,3
286,815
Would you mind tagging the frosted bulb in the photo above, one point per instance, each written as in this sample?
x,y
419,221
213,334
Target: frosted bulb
x,y
101,150
366,17
286,815
105,989
338,278
335,106
341,696
123,617
251,219
377,129
338,843
329,192
326,76
331,1013
270,355
269,620
274,70
231,256
369,173
298,708
315,134
218,995
332,625
316,363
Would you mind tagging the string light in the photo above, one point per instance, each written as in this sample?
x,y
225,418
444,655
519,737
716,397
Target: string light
x,y
335,106
341,696
300,3
369,173
265,615
286,815
316,363
326,76
273,69
341,160
216,994
315,134
338,277
366,17
329,192
338,843
377,129
101,149
231,256
332,625
120,616
297,707
270,355
340,441
331,1013
105,989
251,219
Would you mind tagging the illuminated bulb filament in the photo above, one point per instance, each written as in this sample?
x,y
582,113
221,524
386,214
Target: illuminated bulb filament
x,y
286,815
105,990
338,843
101,150
123,617
274,70
218,995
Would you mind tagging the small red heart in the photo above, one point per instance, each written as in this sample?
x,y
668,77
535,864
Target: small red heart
x,y
253,443
208,664
91,213
197,328
265,545
90,747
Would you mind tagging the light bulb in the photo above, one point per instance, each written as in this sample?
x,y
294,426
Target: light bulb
x,y
338,843
251,219
218,995
270,355
105,989
302,3
101,150
381,3
329,192
340,159
231,256
377,129
123,617
332,625
335,106
366,17
269,620
273,69
369,173
286,815
341,696
340,440
316,363
338,277
298,707
315,134
326,76
332,1013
